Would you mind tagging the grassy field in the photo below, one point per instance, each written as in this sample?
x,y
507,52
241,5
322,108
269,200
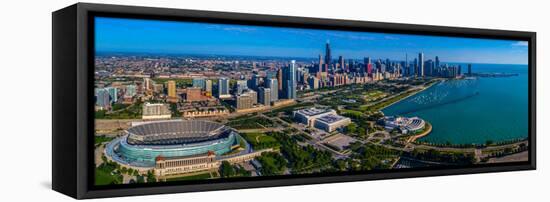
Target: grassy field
x,y
250,123
385,103
260,140
374,95
101,139
104,178
351,113
130,112
289,109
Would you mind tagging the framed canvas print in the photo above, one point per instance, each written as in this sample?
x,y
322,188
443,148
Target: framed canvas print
x,y
155,100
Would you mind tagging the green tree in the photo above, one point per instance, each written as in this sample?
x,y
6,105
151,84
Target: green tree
x,y
151,177
351,128
140,179
226,170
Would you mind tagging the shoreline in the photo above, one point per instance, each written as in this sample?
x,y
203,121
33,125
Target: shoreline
x,y
423,134
472,145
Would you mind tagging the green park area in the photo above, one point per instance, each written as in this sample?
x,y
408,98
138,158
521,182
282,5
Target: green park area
x,y
228,171
107,173
100,139
369,157
380,105
180,83
374,95
260,140
289,109
121,111
272,163
250,122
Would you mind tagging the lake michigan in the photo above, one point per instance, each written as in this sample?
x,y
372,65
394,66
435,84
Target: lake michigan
x,y
469,111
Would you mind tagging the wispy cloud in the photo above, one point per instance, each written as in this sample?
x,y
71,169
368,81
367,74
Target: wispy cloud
x,y
521,43
391,38
351,36
232,28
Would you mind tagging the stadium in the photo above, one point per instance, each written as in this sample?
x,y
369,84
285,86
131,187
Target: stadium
x,y
142,143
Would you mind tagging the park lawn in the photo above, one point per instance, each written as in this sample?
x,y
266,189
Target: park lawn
x,y
260,140
387,102
131,112
288,109
104,178
351,113
252,122
202,176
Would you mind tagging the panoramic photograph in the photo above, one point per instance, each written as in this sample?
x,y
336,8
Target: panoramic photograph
x,y
195,101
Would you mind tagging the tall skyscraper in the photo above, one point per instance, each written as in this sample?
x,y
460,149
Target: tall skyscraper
x,y
243,101
320,64
253,96
406,66
113,94
429,68
199,83
130,90
280,79
436,62
148,84
264,96
313,83
272,84
208,87
414,67
102,99
254,82
271,74
421,65
469,69
328,56
341,62
172,94
223,88
241,86
368,65
289,81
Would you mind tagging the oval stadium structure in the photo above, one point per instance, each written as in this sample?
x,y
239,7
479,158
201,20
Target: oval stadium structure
x,y
143,143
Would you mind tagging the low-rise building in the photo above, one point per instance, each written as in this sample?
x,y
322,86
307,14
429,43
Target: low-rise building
x,y
166,166
331,122
308,116
205,113
156,111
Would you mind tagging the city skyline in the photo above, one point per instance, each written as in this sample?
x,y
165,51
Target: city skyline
x,y
164,37
219,116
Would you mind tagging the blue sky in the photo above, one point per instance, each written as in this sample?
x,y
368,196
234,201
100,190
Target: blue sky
x,y
153,36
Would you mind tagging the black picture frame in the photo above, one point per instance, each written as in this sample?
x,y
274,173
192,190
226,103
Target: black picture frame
x,y
72,83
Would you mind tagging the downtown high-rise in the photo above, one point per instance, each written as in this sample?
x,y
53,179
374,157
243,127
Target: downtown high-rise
x,y
420,65
273,85
223,88
289,81
328,56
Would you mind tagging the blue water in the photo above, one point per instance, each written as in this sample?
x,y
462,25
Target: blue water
x,y
473,111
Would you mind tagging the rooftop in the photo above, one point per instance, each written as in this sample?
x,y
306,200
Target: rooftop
x,y
312,111
331,118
